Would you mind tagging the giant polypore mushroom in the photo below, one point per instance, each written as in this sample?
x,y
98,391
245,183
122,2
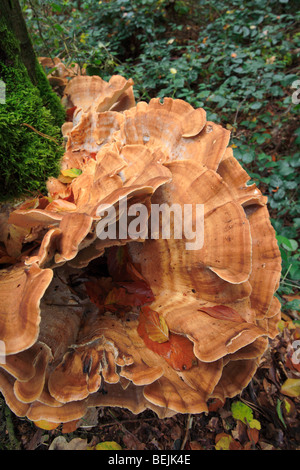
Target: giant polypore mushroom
x,y
164,327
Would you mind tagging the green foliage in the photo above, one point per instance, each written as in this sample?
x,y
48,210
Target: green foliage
x,y
244,413
238,60
241,411
27,158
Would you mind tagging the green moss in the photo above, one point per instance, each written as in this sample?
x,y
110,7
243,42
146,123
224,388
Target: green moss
x,y
8,438
27,159
50,100
14,443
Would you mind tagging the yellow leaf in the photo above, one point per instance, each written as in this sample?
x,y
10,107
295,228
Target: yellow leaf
x,y
291,388
64,179
83,37
47,425
67,176
224,443
287,406
71,172
157,328
255,424
281,325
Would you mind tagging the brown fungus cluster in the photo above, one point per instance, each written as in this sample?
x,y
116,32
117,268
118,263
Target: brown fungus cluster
x,y
214,303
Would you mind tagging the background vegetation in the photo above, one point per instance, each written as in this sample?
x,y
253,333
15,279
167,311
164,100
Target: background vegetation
x,y
238,60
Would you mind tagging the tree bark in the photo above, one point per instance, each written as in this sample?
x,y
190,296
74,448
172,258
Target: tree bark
x,y
19,49
11,11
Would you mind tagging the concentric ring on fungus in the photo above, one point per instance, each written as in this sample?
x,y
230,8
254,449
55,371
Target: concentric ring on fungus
x,y
64,348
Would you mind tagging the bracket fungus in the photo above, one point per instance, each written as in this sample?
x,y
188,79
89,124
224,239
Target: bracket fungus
x,y
99,311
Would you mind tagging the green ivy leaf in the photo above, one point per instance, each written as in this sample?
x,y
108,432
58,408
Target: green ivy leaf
x,y
287,243
293,305
256,105
242,412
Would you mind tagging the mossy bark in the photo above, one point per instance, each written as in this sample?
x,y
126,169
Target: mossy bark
x,y
27,158
11,15
11,11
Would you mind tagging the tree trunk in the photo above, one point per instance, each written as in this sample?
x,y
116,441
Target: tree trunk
x,y
11,11
11,17
31,114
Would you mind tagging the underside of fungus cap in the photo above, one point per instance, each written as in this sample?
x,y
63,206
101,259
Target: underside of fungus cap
x,y
20,294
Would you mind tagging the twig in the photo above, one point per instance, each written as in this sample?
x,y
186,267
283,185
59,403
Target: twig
x,y
187,430
117,423
255,407
40,32
40,133
290,283
120,424
284,277
238,110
